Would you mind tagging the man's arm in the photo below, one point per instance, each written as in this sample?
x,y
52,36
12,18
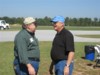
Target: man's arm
x,y
70,59
51,68
31,69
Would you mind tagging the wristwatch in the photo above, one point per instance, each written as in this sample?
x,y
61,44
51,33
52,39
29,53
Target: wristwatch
x,y
67,65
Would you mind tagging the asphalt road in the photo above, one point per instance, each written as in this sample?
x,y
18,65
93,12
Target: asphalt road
x,y
48,35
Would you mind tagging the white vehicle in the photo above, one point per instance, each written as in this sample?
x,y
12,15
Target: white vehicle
x,y
4,25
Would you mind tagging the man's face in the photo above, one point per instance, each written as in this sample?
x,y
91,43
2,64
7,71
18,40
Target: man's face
x,y
58,26
32,27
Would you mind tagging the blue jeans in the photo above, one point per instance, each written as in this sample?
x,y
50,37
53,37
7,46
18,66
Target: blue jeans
x,y
59,67
21,69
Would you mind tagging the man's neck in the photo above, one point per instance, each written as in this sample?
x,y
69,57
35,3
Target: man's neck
x,y
60,30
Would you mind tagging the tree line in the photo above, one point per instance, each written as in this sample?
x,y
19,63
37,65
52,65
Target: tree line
x,y
46,21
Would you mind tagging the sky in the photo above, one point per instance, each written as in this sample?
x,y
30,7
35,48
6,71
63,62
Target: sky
x,y
50,8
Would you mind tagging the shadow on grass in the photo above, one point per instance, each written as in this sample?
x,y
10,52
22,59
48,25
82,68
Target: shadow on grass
x,y
88,64
91,64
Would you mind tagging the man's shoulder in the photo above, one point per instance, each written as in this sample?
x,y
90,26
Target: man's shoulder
x,y
21,33
66,31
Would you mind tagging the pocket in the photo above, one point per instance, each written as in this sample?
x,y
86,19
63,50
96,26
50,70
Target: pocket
x,y
16,67
16,62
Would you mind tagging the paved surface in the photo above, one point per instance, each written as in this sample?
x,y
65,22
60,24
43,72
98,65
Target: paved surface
x,y
48,35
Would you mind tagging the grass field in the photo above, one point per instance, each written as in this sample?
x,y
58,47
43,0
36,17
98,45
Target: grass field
x,y
81,65
18,27
89,36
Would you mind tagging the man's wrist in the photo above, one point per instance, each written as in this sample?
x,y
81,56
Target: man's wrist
x,y
29,65
67,65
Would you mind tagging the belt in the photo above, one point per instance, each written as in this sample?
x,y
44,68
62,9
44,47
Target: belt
x,y
34,59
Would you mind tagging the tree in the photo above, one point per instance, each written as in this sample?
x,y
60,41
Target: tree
x,y
95,21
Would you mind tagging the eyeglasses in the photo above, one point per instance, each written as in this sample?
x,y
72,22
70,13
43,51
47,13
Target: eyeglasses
x,y
54,22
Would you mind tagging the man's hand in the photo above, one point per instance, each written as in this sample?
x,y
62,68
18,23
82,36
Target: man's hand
x,y
31,69
66,70
51,71
51,68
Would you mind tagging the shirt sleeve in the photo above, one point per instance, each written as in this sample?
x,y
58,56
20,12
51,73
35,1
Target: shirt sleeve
x,y
69,42
21,44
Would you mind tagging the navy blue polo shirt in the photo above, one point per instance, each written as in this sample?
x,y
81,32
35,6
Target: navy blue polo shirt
x,y
62,44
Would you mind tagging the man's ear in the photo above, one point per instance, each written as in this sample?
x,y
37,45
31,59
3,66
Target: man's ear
x,y
62,24
24,26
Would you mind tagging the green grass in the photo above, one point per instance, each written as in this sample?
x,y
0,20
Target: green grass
x,y
81,68
83,27
89,36
18,27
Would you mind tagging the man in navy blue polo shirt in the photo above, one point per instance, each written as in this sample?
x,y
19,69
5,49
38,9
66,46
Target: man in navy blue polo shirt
x,y
62,51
